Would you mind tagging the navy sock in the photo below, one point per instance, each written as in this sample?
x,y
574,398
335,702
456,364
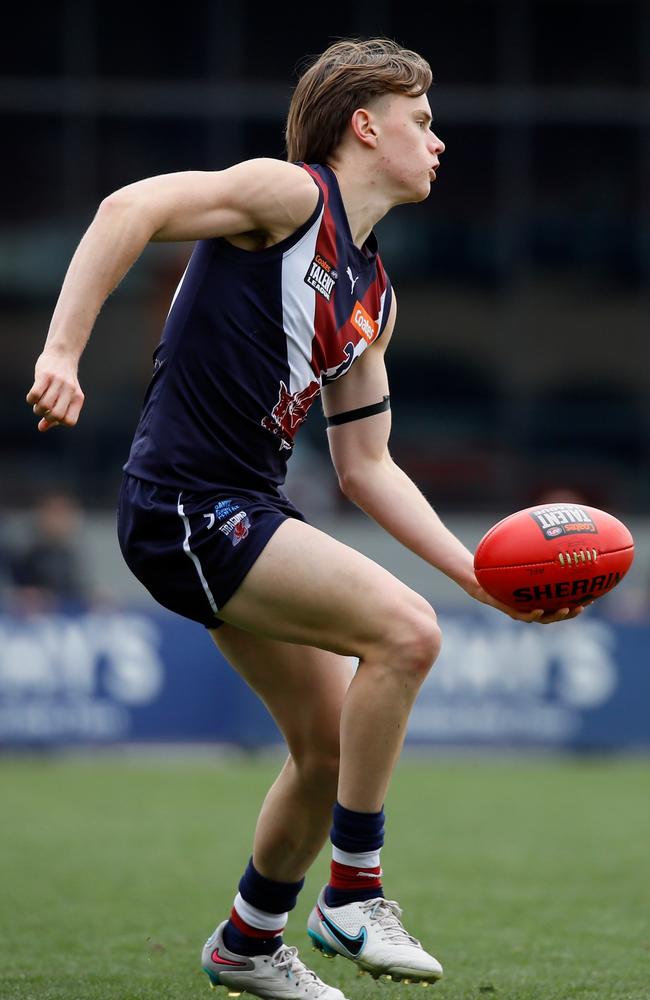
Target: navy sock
x,y
357,839
259,913
242,944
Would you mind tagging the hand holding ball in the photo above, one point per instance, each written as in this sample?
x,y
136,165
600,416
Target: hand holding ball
x,y
553,556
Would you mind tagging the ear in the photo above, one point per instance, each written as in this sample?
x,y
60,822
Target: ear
x,y
364,126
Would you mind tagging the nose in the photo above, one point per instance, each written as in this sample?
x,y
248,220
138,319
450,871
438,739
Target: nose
x,y
437,144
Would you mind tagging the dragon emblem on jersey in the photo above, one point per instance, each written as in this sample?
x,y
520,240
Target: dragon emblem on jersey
x,y
289,412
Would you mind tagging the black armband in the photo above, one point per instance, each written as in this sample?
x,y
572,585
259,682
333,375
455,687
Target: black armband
x,y
360,413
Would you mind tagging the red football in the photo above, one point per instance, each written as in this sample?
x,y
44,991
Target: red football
x,y
553,556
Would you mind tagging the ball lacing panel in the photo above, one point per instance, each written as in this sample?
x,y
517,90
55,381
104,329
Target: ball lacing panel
x,y
578,557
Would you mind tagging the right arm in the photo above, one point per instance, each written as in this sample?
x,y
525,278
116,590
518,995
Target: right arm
x,y
264,196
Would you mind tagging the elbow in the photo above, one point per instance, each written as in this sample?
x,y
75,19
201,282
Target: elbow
x,y
362,480
114,204
353,484
121,210
115,211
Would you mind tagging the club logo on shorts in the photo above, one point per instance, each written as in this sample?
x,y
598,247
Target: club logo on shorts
x,y
222,508
321,276
236,527
563,519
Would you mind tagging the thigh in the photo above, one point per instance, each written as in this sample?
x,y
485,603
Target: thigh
x,y
303,687
308,588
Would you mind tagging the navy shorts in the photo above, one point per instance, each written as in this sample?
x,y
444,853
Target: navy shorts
x,y
192,550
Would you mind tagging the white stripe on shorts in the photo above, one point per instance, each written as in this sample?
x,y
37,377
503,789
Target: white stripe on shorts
x,y
259,918
370,859
195,559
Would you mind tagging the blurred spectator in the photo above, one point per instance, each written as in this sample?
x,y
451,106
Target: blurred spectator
x,y
46,572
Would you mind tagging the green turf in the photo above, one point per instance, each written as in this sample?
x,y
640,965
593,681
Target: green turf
x,y
527,879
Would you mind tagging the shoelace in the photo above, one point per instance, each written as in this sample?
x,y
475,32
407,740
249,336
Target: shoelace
x,y
387,913
286,959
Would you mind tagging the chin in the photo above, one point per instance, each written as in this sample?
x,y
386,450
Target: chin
x,y
423,192
413,190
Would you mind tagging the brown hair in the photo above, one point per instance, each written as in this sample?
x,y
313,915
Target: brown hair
x,y
345,77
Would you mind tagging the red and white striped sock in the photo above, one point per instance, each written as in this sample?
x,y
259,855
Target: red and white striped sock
x,y
357,874
252,931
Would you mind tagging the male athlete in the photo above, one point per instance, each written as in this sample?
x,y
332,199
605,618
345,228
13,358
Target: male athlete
x,y
285,298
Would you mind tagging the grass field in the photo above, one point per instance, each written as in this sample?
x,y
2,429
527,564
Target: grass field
x,y
527,879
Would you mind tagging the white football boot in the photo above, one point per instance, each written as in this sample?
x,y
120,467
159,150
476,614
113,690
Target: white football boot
x,y
371,934
281,976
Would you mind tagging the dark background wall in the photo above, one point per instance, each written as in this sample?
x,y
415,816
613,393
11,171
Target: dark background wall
x,y
520,363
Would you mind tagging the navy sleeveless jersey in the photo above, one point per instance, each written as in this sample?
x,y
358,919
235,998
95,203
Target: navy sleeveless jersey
x,y
250,338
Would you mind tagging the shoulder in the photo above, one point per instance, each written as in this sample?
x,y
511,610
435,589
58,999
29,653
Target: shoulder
x,y
277,171
277,187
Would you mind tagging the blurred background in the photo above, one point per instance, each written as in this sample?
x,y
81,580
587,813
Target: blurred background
x,y
519,369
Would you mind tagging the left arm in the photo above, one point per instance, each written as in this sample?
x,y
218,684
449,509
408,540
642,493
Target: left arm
x,y
369,477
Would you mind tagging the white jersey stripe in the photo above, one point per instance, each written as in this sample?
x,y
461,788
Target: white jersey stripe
x,y
178,288
299,307
192,555
382,305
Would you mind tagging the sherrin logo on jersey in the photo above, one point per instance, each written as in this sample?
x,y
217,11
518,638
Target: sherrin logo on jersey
x,y
364,323
321,276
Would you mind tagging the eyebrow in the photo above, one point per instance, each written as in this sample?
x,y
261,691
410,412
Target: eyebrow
x,y
423,114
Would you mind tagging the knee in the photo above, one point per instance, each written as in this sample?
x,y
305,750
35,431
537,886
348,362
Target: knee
x,y
415,639
422,644
318,767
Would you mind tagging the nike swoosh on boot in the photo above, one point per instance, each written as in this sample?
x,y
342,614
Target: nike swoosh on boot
x,y
353,945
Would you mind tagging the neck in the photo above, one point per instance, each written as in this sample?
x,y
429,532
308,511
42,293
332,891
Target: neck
x,y
364,202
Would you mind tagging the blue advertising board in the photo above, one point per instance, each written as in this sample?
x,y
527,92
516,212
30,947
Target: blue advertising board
x,y
136,676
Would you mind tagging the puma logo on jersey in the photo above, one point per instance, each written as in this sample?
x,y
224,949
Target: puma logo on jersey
x,y
364,323
321,276
353,280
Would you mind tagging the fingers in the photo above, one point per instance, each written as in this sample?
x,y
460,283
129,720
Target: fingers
x,y
530,616
45,424
49,398
550,617
41,383
56,402
559,616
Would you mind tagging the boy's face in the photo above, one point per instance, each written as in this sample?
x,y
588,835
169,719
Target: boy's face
x,y
408,150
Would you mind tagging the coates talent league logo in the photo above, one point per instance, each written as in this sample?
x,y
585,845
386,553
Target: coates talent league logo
x,y
321,276
563,519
